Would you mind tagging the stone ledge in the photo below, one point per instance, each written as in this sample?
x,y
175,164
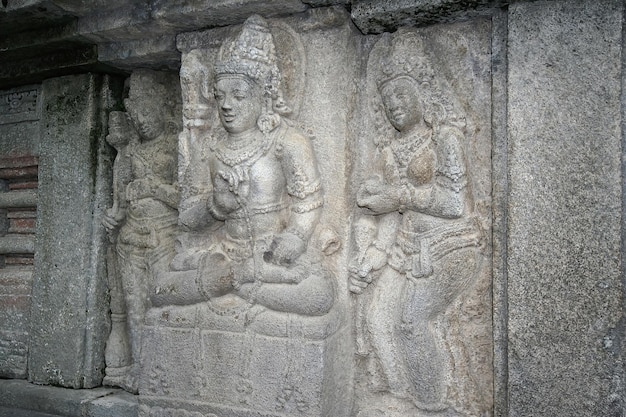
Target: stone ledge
x,y
14,412
75,35
374,16
21,398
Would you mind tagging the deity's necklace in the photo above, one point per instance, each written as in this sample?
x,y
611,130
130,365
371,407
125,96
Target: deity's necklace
x,y
244,151
405,147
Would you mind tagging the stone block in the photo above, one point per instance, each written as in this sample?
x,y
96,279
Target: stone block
x,y
55,61
19,126
243,373
198,13
121,404
565,271
18,199
20,139
24,397
20,104
70,306
15,289
14,412
388,15
158,52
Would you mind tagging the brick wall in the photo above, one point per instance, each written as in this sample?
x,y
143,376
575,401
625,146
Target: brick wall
x,y
18,212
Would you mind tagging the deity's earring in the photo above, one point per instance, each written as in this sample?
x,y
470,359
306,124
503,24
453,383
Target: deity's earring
x,y
268,120
279,106
172,127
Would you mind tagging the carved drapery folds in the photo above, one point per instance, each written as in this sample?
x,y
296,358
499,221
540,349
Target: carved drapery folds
x,y
255,268
419,240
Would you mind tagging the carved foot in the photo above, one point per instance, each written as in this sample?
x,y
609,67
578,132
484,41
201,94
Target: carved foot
x,y
122,378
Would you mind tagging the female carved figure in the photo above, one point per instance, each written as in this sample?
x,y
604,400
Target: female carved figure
x,y
144,213
265,198
424,253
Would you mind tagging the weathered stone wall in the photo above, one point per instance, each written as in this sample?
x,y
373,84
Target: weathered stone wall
x,y
19,141
564,250
69,298
540,85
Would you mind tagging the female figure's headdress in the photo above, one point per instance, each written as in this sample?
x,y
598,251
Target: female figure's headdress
x,y
405,57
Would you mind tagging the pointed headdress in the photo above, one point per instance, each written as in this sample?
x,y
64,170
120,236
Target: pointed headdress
x,y
405,57
253,55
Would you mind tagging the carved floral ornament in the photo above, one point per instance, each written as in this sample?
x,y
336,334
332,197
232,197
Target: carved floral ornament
x,y
19,105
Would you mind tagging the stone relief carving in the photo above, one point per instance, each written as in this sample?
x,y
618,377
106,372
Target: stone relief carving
x,y
228,283
417,243
142,221
265,195
241,264
20,104
19,101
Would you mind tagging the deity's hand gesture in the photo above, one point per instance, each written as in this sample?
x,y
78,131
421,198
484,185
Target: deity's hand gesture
x,y
285,249
362,267
378,196
112,218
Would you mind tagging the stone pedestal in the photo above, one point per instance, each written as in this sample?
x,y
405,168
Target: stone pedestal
x,y
271,364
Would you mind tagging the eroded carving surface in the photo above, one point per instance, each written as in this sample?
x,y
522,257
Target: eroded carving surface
x,y
142,221
19,104
418,243
238,276
264,196
230,285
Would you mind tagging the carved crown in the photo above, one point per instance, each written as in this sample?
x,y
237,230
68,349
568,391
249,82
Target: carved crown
x,y
405,57
252,54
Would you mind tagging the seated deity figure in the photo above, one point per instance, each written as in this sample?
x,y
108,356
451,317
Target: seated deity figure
x,y
265,196
144,214
423,255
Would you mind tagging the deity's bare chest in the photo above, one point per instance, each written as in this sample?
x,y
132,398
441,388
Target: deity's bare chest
x,y
154,159
261,179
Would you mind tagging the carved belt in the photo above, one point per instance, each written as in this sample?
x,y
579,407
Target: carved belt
x,y
143,232
414,253
264,209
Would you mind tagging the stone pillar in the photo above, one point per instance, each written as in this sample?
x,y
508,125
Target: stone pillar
x,y
69,300
565,270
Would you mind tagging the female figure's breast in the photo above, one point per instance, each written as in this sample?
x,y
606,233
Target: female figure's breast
x,y
421,167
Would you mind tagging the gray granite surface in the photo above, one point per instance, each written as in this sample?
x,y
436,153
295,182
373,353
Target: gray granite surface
x,y
565,278
69,302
